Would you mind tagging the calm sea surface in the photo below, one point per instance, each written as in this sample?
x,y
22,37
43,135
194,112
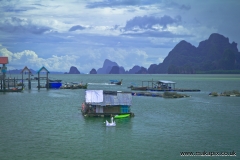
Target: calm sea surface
x,y
47,124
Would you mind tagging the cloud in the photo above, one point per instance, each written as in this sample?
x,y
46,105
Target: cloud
x,y
31,59
175,5
159,34
148,22
18,25
115,3
77,27
16,10
185,7
124,57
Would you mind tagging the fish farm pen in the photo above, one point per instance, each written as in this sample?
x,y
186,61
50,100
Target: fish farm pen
x,y
162,86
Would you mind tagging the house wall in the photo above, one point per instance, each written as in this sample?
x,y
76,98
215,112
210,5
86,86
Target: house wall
x,y
111,109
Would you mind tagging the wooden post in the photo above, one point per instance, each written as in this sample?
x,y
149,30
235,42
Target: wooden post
x,y
8,82
38,80
47,81
22,81
4,84
29,81
152,82
14,83
30,84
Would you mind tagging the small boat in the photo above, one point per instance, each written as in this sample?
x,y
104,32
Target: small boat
x,y
121,116
138,88
116,82
55,84
57,80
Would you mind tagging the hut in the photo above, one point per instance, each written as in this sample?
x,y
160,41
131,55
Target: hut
x,y
43,69
106,103
25,69
3,69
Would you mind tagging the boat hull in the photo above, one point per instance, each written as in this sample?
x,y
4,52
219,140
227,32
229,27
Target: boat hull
x,y
55,84
122,116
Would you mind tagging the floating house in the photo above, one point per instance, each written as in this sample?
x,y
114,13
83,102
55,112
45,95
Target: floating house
x,y
161,85
106,103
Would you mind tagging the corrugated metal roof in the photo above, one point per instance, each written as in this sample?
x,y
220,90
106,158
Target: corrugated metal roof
x,y
166,82
3,60
112,99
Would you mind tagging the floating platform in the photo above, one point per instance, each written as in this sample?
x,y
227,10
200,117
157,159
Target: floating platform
x,y
234,93
74,86
106,114
164,95
173,90
12,90
161,86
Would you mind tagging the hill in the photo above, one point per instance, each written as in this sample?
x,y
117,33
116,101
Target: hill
x,y
213,54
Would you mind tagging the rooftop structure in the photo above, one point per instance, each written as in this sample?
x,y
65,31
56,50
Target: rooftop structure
x,y
3,60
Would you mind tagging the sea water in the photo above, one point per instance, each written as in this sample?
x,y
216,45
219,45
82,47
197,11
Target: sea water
x,y
47,124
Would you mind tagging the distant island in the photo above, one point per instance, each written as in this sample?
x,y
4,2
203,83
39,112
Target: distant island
x,y
73,70
213,56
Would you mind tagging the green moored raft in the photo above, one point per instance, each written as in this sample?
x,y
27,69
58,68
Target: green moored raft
x,y
121,116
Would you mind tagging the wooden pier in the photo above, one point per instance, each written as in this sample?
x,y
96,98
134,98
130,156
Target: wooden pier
x,y
7,84
10,85
13,85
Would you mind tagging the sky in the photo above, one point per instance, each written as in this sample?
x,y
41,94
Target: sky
x,y
58,34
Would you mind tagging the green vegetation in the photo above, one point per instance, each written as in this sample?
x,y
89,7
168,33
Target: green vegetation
x,y
173,95
214,94
231,93
226,93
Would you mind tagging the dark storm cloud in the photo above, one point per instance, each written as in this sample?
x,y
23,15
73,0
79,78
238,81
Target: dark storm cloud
x,y
17,25
163,34
77,27
178,6
118,3
147,22
185,7
13,8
